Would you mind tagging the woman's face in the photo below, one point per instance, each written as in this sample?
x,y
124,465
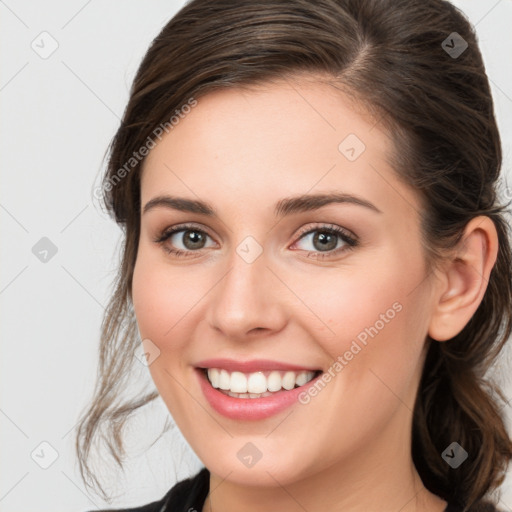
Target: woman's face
x,y
268,290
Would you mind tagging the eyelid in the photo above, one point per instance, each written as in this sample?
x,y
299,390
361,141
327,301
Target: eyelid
x,y
170,230
326,226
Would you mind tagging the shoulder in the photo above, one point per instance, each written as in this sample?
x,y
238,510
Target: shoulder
x,y
189,493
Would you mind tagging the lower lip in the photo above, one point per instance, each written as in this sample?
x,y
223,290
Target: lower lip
x,y
249,408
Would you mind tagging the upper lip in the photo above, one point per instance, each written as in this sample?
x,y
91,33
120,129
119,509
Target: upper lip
x,y
253,365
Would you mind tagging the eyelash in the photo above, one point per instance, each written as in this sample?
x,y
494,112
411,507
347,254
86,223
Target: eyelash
x,y
350,241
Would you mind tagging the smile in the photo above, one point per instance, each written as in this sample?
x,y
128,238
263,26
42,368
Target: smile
x,y
252,390
257,384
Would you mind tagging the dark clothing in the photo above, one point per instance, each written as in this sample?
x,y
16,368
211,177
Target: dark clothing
x,y
190,494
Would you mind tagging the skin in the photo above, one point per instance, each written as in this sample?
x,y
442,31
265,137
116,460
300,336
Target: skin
x,y
242,151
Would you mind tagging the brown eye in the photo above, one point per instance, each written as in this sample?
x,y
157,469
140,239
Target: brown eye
x,y
192,239
181,240
327,241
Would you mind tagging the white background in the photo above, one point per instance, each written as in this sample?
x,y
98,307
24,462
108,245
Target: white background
x,y
57,118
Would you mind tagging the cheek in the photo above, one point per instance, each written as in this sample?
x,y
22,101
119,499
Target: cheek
x,y
374,319
162,298
350,303
376,344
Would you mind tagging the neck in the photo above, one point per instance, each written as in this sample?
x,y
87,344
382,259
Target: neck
x,y
381,478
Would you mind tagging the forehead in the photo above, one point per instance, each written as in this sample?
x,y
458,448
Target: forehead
x,y
252,145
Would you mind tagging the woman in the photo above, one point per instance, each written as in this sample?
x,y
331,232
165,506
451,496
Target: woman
x,y
315,257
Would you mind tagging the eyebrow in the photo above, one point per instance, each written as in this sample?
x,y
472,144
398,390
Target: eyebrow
x,y
286,206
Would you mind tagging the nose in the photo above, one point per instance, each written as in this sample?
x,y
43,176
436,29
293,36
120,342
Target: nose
x,y
248,299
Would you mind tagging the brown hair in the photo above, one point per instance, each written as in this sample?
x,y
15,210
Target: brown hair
x,y
390,55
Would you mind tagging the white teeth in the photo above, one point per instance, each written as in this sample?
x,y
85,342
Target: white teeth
x,y
274,381
224,380
213,374
238,383
289,380
257,384
248,395
302,378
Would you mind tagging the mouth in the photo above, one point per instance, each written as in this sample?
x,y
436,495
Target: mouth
x,y
253,390
257,384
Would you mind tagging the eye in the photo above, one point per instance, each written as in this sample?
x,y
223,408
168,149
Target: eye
x,y
191,239
327,240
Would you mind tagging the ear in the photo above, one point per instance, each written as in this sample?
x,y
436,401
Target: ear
x,y
463,280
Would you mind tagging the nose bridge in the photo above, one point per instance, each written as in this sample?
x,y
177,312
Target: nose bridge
x,y
246,296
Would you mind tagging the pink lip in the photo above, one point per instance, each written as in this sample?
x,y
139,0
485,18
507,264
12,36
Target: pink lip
x,y
251,366
249,409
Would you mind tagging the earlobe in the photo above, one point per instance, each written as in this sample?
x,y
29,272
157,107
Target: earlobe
x,y
464,279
